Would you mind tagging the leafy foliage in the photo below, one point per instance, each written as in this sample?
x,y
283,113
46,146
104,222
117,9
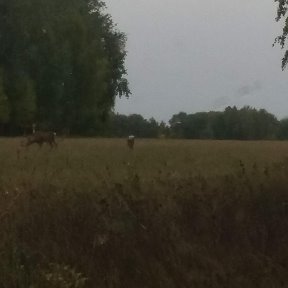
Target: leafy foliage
x,y
281,39
63,62
122,125
244,124
4,104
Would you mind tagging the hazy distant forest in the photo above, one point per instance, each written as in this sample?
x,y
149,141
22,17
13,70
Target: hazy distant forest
x,y
241,124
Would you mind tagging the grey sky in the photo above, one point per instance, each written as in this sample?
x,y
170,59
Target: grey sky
x,y
191,56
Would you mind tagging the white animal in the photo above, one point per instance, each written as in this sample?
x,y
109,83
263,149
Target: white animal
x,y
131,141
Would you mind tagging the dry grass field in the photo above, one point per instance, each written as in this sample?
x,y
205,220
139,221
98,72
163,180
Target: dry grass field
x,y
171,213
92,161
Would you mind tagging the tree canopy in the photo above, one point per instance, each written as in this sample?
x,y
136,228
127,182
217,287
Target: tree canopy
x,y
61,63
246,123
281,39
243,124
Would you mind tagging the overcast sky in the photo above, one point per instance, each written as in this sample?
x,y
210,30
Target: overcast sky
x,y
191,56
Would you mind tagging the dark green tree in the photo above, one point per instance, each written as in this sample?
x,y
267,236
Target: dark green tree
x,y
135,124
243,124
69,55
4,105
283,129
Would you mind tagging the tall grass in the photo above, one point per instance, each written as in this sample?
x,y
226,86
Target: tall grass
x,y
169,214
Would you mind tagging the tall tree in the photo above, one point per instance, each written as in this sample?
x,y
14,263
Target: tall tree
x,y
69,53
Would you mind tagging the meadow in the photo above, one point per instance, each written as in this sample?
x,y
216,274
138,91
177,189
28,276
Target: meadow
x,y
171,213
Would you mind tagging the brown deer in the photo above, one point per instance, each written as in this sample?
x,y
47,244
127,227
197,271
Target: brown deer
x,y
42,137
130,142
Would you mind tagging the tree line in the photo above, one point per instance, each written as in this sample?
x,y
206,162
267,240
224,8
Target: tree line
x,y
246,123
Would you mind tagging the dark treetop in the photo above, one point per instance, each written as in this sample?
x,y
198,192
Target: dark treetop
x,y
61,64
